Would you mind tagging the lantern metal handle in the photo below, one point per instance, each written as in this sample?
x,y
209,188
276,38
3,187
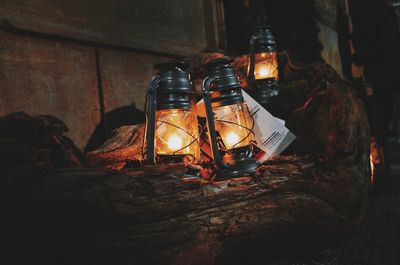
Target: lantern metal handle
x,y
212,135
150,106
252,59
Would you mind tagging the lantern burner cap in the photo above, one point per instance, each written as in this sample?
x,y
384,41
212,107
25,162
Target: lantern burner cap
x,y
174,89
263,28
218,62
225,82
262,22
167,66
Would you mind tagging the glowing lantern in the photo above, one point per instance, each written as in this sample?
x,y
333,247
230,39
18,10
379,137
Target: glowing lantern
x,y
229,121
263,66
266,66
171,119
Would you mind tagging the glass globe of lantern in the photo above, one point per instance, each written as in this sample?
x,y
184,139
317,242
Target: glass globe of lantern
x,y
233,123
171,121
265,65
176,129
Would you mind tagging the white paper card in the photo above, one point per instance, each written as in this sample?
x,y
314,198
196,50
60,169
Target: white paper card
x,y
271,135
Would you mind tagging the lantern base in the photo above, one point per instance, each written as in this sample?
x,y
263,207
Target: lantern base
x,y
240,164
265,90
171,159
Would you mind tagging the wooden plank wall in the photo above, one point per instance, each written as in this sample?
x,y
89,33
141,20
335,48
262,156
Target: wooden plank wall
x,y
87,61
166,26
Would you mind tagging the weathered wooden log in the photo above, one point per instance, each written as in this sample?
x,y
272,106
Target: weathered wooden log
x,y
36,141
312,196
124,145
153,215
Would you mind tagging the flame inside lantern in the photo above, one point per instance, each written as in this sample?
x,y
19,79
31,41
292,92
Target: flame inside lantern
x,y
375,159
265,65
234,124
176,132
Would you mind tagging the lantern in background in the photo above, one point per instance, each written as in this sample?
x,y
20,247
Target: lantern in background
x,y
171,120
229,121
263,66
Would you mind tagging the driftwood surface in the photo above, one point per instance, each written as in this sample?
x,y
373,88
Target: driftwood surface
x,y
62,211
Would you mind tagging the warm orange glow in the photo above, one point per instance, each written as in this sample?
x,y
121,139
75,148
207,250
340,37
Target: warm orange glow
x,y
174,142
231,138
233,123
263,72
375,159
265,65
371,159
176,131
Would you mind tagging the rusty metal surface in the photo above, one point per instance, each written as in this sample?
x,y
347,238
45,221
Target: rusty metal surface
x,y
47,77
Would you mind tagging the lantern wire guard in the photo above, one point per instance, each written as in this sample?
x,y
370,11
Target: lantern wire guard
x,y
224,105
172,132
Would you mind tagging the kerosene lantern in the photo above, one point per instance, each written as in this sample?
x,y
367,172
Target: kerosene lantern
x,y
229,121
263,66
171,120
